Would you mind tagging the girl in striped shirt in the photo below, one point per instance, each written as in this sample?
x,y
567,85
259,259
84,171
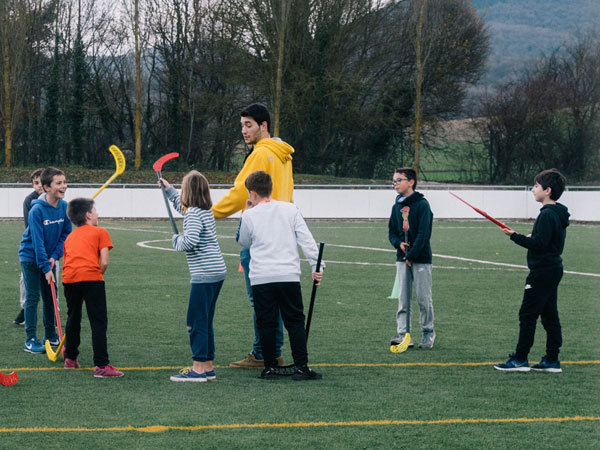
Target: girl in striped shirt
x,y
207,270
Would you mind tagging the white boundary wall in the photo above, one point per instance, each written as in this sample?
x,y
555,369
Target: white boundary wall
x,y
365,203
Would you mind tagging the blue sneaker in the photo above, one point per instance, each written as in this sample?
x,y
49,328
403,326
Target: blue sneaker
x,y
189,375
210,375
33,345
545,366
513,365
54,341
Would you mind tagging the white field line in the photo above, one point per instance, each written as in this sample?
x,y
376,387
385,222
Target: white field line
x,y
514,267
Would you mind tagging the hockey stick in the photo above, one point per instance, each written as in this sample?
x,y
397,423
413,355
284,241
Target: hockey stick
x,y
8,379
157,166
289,369
52,356
483,213
120,162
403,346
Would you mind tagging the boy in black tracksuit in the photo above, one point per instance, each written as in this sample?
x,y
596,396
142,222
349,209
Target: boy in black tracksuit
x,y
409,231
544,246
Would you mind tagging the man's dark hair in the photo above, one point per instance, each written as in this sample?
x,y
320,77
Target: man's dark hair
x,y
259,113
78,208
36,173
260,182
553,179
48,174
409,173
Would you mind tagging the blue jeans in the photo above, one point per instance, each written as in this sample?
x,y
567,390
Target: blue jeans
x,y
200,314
256,347
36,284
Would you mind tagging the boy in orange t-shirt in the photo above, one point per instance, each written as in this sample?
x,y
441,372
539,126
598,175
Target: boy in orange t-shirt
x,y
85,260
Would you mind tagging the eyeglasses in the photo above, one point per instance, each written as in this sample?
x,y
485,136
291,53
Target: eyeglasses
x,y
398,181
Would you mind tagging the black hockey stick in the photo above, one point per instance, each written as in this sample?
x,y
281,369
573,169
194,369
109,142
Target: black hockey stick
x,y
289,369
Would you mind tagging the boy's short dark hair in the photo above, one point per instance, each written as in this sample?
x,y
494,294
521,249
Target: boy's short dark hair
x,y
553,179
259,113
78,208
409,173
260,182
48,174
37,173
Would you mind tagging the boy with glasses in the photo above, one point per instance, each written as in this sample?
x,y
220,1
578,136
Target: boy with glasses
x,y
410,232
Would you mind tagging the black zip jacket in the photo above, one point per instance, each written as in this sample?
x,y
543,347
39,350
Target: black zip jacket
x,y
547,240
420,220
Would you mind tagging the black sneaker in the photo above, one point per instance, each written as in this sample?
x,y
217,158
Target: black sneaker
x,y
546,366
20,319
268,373
306,373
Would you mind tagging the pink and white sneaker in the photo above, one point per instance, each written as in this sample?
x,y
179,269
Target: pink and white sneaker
x,y
107,371
71,363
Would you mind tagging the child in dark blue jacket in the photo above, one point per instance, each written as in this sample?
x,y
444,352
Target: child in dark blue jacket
x,y
410,232
41,247
544,246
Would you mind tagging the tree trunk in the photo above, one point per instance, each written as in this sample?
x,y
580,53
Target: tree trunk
x,y
419,86
279,76
7,111
138,90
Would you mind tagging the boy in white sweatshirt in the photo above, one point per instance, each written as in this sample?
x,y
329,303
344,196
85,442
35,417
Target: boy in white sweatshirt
x,y
272,230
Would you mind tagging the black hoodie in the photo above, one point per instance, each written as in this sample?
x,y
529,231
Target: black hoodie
x,y
420,220
547,240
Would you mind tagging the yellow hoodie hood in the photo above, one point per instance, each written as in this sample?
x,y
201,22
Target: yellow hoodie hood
x,y
272,155
280,148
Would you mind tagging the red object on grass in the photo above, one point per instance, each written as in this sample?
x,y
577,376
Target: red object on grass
x,y
8,379
483,213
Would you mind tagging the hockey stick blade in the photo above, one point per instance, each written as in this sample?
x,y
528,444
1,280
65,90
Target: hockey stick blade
x,y
160,162
9,379
120,167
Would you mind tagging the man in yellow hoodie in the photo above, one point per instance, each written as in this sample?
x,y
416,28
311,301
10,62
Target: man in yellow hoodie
x,y
274,157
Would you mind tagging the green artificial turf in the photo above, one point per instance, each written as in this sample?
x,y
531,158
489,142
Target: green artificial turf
x,y
447,397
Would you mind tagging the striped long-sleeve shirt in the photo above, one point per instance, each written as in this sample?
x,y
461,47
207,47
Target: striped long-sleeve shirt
x,y
199,242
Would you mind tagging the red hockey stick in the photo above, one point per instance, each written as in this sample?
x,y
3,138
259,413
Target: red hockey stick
x,y
483,213
157,166
52,356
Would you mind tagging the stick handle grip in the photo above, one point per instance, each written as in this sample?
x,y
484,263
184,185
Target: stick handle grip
x,y
162,187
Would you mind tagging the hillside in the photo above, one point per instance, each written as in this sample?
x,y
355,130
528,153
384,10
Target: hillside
x,y
523,30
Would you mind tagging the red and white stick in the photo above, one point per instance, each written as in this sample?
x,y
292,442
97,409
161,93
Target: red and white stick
x,y
483,213
57,317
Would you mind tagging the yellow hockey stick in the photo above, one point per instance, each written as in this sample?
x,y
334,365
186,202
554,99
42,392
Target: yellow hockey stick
x,y
120,161
51,354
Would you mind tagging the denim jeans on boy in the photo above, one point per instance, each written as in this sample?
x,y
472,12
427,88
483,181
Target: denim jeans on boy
x,y
36,284
256,347
200,314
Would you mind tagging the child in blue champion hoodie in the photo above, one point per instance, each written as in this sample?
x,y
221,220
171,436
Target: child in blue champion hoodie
x,y
41,247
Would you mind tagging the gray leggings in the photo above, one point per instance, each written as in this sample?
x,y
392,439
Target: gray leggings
x,y
419,276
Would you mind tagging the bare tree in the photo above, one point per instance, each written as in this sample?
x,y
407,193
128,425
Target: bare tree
x,y
16,17
548,117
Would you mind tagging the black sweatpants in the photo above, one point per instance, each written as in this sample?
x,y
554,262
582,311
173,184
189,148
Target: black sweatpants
x,y
540,299
92,292
269,300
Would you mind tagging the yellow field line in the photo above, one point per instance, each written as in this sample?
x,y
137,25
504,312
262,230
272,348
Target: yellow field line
x,y
413,364
353,423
